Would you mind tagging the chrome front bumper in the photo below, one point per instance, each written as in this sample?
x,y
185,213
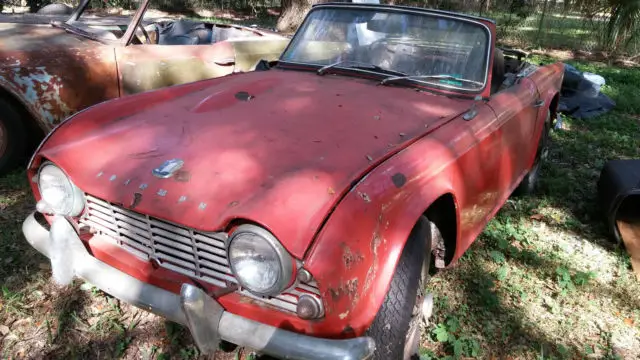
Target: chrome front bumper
x,y
207,321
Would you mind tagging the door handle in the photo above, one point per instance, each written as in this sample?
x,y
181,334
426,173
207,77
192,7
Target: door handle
x,y
225,62
539,103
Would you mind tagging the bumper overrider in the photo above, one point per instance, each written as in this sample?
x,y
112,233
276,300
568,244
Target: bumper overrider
x,y
207,321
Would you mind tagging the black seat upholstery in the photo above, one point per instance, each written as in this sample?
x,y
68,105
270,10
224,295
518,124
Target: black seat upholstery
x,y
497,77
183,32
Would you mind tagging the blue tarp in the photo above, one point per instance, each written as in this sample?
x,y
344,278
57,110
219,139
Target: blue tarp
x,y
576,96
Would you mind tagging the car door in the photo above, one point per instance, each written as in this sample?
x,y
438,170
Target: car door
x,y
476,141
516,109
148,67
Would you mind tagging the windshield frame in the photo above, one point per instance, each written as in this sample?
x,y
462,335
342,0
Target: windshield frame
x,y
481,22
126,38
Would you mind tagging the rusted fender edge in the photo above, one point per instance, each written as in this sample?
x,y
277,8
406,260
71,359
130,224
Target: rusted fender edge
x,y
15,93
365,235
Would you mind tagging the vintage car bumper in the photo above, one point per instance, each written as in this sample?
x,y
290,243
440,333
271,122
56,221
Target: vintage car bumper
x,y
204,316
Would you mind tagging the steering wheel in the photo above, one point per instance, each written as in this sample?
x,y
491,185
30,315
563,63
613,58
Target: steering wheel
x,y
145,33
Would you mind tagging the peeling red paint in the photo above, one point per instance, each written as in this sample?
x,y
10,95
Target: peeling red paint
x,y
349,258
55,74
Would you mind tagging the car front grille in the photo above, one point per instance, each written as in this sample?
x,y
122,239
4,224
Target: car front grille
x,y
199,255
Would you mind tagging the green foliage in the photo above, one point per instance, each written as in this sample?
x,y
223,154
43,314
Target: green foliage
x,y
458,345
497,256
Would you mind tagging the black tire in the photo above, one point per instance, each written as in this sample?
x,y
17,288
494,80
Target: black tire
x,y
397,313
529,183
13,137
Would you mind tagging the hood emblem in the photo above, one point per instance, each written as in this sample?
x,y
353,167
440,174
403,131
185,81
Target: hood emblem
x,y
168,168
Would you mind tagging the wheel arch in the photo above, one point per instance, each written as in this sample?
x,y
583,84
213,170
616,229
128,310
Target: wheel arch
x,y
553,106
35,130
354,283
444,215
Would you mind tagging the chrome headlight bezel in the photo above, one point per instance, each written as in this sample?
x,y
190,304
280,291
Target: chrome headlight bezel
x,y
285,267
76,206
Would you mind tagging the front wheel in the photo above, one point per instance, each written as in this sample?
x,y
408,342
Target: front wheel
x,y
13,137
396,328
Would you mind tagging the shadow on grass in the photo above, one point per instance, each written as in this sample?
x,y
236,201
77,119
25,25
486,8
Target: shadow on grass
x,y
19,262
516,294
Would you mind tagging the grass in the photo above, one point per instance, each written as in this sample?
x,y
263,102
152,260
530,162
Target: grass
x,y
541,282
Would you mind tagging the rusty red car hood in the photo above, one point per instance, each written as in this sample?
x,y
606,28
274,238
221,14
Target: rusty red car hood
x,y
276,147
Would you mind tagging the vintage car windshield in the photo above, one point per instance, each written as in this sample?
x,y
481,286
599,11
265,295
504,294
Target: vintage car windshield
x,y
97,23
437,49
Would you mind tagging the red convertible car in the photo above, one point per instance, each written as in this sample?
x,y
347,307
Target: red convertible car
x,y
296,210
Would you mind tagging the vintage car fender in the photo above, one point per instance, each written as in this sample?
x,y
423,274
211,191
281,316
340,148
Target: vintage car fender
x,y
32,107
356,252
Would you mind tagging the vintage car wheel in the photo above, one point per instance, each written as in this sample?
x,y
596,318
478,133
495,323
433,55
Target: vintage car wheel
x,y
13,137
530,181
396,327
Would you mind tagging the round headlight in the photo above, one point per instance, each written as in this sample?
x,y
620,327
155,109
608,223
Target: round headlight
x,y
58,192
258,260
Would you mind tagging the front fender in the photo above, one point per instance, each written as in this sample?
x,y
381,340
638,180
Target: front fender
x,y
356,253
19,95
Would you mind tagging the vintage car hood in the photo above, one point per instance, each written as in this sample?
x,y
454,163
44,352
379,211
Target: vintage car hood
x,y
37,37
276,147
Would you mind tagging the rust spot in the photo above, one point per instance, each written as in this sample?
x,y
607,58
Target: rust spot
x,y
376,240
399,180
364,197
153,153
182,176
243,96
348,331
350,258
348,289
136,200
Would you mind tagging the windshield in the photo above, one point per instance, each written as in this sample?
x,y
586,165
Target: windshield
x,y
92,19
410,43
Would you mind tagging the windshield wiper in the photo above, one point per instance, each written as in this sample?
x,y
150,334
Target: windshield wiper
x,y
427,77
360,66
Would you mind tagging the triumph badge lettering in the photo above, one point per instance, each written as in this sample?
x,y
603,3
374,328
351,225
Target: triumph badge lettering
x,y
168,168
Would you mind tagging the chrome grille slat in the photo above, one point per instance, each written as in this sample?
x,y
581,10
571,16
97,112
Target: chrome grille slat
x,y
217,259
174,260
122,220
186,251
219,275
174,237
222,270
211,240
206,249
162,242
172,253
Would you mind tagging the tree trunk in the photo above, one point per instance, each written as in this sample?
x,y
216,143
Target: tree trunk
x,y
293,12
